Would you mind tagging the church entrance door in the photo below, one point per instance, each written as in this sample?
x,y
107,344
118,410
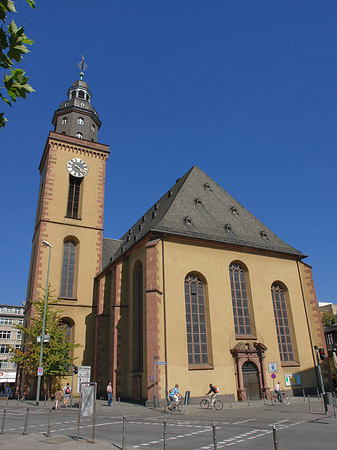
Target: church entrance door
x,y
251,380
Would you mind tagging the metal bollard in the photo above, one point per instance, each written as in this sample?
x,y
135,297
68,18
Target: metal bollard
x,y
17,399
3,422
123,434
309,402
25,428
248,398
230,402
303,394
317,392
6,401
49,423
214,436
119,404
322,401
275,438
264,399
45,399
165,434
334,409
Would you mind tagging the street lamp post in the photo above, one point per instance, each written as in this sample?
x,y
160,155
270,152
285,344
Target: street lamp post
x,y
43,326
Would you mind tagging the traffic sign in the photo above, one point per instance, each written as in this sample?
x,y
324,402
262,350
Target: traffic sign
x,y
161,363
273,376
40,371
272,367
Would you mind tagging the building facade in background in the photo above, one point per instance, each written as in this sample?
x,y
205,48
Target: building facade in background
x,y
10,336
197,284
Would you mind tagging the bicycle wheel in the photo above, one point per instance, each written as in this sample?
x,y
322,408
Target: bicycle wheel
x,y
218,405
286,398
204,404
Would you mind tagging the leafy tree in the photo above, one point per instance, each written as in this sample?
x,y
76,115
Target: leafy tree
x,y
57,353
328,319
13,45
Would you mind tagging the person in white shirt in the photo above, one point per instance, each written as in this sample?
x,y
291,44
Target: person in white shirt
x,y
278,389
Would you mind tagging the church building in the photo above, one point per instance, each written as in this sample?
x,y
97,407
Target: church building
x,y
197,291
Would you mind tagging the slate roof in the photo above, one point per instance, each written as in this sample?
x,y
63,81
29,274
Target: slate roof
x,y
197,207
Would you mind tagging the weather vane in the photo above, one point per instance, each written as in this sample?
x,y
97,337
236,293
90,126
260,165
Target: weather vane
x,y
82,65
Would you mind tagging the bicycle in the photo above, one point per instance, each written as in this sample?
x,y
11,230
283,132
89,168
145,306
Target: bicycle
x,y
209,403
285,398
175,406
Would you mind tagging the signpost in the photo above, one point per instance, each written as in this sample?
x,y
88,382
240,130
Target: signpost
x,y
87,405
273,375
83,376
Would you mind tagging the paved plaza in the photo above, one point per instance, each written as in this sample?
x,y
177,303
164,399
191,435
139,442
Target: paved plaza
x,y
240,426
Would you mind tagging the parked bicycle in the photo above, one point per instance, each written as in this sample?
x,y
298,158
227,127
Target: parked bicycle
x,y
285,398
209,403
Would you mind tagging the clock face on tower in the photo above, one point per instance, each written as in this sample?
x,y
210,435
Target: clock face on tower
x,y
77,167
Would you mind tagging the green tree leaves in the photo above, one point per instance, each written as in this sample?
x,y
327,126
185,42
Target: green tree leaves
x,y
57,353
13,45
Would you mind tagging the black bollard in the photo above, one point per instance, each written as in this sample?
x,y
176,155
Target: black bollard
x,y
165,434
214,436
275,438
124,434
3,422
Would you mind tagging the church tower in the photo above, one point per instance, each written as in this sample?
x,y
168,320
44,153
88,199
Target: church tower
x,y
70,216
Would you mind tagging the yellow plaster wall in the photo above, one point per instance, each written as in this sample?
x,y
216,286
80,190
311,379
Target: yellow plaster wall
x,y
213,264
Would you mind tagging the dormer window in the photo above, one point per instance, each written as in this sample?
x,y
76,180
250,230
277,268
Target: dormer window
x,y
80,121
73,94
81,94
93,128
79,135
64,120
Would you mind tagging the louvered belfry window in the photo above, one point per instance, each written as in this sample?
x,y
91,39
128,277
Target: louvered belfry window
x,y
74,197
196,320
239,300
282,323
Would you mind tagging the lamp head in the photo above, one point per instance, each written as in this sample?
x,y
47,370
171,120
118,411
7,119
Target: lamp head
x,y
46,243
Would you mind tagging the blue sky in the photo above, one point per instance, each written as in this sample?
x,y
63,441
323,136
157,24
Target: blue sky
x,y
246,90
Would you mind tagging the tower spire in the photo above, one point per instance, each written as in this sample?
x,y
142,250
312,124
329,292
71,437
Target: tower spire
x,y
82,65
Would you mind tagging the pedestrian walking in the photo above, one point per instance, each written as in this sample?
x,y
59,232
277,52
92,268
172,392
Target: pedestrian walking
x,y
66,394
109,392
58,398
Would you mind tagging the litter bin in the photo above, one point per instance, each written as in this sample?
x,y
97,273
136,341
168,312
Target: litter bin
x,y
327,398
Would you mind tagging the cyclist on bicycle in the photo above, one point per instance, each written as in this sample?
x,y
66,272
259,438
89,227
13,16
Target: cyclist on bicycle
x,y
278,391
213,390
174,396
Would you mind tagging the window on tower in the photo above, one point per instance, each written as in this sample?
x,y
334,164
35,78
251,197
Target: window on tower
x,y
93,127
74,197
64,120
79,135
68,269
81,94
80,121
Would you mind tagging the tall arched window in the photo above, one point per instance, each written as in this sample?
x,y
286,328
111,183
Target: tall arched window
x,y
138,317
73,205
282,323
68,269
239,300
196,325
